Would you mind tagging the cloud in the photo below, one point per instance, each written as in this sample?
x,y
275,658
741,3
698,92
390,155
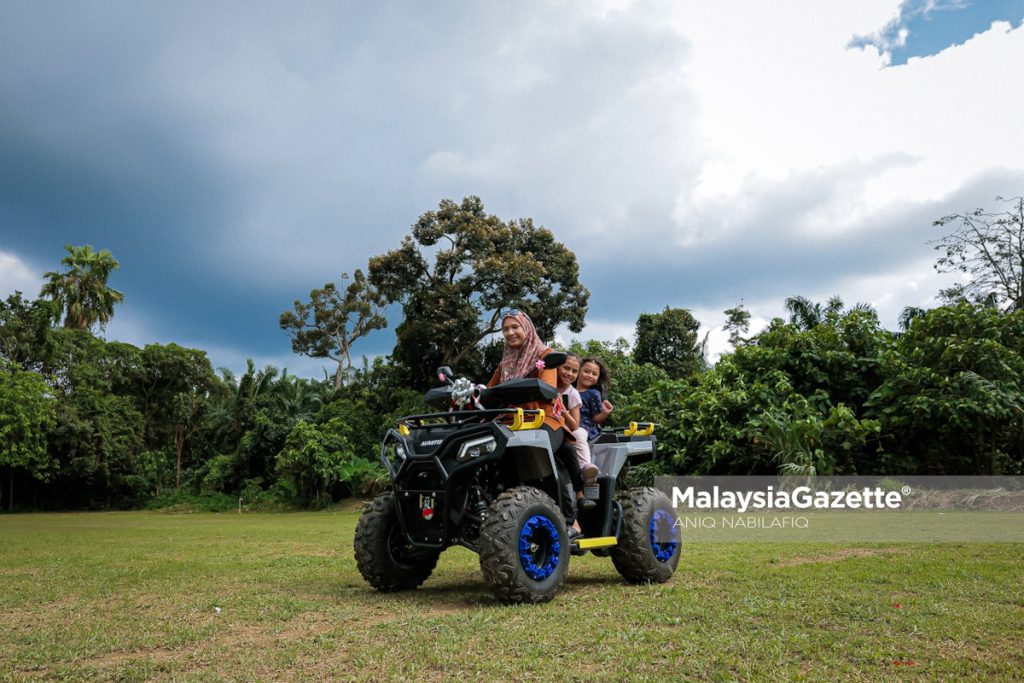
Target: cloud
x,y
777,239
15,276
233,156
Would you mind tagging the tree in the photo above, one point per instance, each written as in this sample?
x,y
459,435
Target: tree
x,y
803,312
99,432
329,333
779,399
248,429
988,246
908,315
952,399
807,314
171,385
669,341
24,330
26,416
82,291
737,323
316,458
481,265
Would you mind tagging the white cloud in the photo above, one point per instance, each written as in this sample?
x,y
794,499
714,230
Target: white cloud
x,y
780,94
913,284
602,330
16,276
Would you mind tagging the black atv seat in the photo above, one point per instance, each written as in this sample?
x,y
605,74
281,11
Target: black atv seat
x,y
517,392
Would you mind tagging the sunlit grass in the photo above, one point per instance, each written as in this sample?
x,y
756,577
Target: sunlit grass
x,y
140,596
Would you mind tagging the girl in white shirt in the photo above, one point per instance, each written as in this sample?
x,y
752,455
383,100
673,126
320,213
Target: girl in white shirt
x,y
567,373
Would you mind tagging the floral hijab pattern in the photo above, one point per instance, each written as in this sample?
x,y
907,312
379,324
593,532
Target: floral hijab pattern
x,y
520,362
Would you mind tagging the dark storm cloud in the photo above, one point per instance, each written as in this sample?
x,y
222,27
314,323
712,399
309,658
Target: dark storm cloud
x,y
234,155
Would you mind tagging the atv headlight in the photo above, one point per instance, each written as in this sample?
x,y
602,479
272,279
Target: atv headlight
x,y
475,448
394,453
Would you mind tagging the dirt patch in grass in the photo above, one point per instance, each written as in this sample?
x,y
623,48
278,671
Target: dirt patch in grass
x,y
232,638
836,556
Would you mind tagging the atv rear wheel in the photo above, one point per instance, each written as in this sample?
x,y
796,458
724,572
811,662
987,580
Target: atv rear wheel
x,y
648,549
524,547
383,556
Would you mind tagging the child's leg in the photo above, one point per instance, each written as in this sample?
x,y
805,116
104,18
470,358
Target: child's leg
x,y
587,469
582,447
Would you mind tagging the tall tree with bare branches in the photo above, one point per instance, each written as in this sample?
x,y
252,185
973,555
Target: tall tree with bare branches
x,y
333,320
989,247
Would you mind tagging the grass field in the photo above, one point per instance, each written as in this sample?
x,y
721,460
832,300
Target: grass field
x,y
142,596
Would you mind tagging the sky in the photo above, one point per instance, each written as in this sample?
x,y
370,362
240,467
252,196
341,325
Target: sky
x,y
235,155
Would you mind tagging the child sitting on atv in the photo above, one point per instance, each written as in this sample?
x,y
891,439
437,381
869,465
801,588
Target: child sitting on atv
x,y
567,373
593,385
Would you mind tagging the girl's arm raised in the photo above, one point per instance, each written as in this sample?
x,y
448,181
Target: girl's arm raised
x,y
606,410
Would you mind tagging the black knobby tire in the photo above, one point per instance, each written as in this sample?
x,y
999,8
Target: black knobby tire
x,y
524,547
649,543
382,555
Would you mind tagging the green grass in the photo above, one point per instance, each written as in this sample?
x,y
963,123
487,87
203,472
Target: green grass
x,y
132,596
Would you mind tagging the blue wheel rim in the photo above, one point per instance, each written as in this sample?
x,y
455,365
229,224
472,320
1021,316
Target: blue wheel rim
x,y
539,547
663,527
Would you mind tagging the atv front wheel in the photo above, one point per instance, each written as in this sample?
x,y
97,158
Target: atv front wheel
x,y
524,548
383,556
648,548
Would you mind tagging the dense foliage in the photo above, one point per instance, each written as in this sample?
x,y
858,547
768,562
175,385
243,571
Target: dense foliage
x,y
100,424
88,423
845,396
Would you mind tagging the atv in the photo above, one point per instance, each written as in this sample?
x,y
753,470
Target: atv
x,y
482,475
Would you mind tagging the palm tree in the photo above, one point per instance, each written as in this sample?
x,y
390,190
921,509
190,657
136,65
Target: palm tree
x,y
82,291
804,313
909,315
298,398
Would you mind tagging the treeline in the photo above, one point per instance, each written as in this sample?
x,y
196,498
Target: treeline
x,y
833,393
91,424
108,425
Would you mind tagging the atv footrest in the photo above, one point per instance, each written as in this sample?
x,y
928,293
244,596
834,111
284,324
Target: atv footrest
x,y
595,542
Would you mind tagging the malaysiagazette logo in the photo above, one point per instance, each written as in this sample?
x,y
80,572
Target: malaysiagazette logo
x,y
800,498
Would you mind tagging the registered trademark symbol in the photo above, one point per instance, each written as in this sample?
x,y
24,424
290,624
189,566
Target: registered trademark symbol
x,y
906,490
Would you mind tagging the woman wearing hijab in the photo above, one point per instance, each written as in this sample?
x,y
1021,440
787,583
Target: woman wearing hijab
x,y
523,358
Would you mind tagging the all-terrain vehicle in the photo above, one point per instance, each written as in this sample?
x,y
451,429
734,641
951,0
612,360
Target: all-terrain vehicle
x,y
482,475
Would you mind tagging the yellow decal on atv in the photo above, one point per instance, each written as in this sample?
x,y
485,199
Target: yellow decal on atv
x,y
519,421
635,429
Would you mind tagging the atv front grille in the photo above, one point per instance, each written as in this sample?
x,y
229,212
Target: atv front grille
x,y
421,476
423,515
